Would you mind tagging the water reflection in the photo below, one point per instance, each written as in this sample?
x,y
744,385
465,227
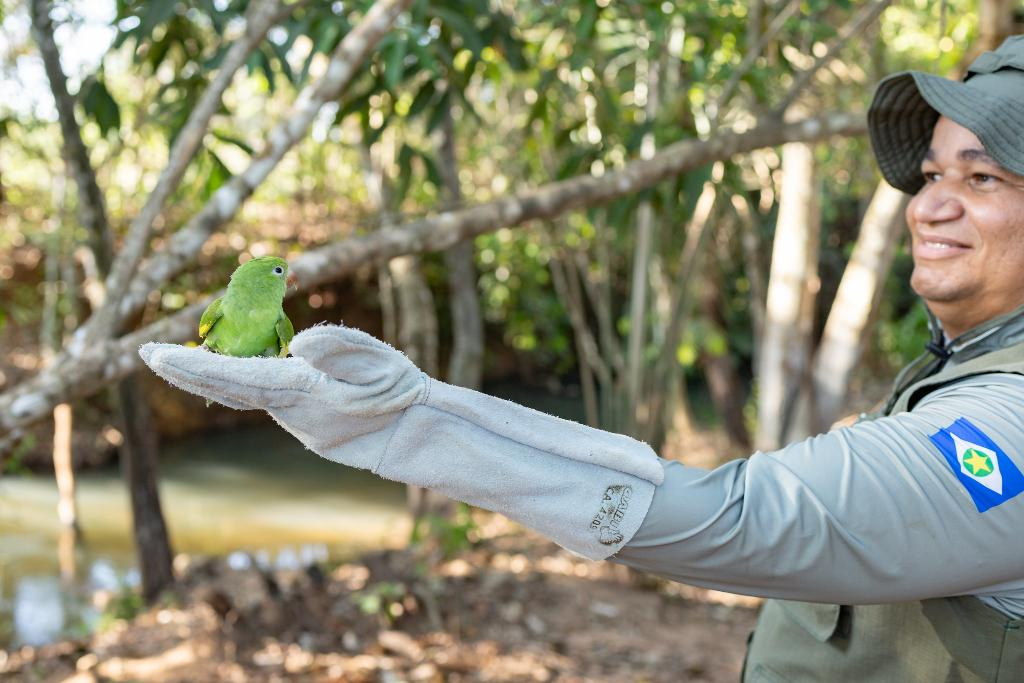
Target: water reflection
x,y
38,609
254,495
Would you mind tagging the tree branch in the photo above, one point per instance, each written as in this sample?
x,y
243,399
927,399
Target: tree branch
x,y
752,54
868,14
260,17
92,209
186,243
107,361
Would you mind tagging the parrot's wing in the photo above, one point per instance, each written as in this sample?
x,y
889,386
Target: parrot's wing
x,y
285,332
210,317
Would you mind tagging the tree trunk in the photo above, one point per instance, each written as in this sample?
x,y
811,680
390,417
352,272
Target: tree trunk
x,y
855,304
698,228
417,316
139,451
995,23
62,466
407,299
92,210
798,421
138,467
647,77
727,391
465,367
588,356
783,352
51,336
753,268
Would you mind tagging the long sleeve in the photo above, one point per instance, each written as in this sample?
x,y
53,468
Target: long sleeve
x,y
882,511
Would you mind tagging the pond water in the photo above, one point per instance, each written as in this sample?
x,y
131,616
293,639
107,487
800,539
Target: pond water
x,y
253,494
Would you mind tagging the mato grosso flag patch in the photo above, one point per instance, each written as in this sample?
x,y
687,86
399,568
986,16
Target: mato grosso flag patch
x,y
984,469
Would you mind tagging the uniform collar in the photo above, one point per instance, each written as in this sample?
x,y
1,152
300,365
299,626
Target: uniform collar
x,y
996,333
991,335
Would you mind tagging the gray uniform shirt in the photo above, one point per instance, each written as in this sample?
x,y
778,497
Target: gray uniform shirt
x,y
868,514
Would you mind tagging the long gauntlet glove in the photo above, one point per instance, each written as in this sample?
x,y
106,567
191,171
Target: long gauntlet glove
x,y
357,401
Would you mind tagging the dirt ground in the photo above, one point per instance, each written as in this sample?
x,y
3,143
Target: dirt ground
x,y
512,608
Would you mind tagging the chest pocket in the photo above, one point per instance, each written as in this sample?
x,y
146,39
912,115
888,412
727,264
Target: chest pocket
x,y
821,621
803,628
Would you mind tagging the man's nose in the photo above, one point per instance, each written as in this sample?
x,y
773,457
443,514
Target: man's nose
x,y
936,203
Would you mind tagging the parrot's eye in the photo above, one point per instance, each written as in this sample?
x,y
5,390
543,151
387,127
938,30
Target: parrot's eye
x,y
278,270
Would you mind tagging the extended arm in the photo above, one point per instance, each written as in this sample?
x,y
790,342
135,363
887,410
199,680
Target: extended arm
x,y
357,401
865,514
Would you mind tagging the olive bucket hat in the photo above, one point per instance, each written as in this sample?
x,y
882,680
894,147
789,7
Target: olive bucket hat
x,y
989,102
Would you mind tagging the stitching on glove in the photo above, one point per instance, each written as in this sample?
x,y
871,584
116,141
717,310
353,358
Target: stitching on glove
x,y
387,447
427,384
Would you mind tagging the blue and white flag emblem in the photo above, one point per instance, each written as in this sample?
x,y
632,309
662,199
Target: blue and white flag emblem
x,y
984,469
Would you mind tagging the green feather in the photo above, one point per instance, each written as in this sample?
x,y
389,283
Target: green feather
x,y
249,319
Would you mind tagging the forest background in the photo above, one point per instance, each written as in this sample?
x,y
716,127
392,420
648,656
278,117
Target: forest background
x,y
667,212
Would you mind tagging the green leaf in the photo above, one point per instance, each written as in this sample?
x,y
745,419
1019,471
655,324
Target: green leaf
x,y
404,179
232,140
218,175
585,26
426,58
153,14
425,96
395,62
259,61
100,105
328,35
433,171
281,52
435,116
157,52
512,48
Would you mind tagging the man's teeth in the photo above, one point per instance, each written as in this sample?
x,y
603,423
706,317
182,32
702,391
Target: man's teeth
x,y
940,245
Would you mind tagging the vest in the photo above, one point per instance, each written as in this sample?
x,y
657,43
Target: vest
x,y
942,640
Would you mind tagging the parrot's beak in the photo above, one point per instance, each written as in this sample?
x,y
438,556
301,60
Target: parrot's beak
x,y
292,281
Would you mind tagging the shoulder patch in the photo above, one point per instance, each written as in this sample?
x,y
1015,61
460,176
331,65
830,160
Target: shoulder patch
x,y
983,468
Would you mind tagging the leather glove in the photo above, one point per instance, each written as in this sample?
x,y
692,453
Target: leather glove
x,y
355,400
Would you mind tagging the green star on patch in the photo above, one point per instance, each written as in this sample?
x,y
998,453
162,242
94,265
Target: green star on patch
x,y
977,462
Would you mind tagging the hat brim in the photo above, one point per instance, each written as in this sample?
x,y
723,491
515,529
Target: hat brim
x,y
906,107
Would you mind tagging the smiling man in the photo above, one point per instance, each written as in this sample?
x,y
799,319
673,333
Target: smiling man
x,y
967,230
950,569
900,535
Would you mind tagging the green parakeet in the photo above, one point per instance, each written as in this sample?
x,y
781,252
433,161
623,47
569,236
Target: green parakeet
x,y
249,320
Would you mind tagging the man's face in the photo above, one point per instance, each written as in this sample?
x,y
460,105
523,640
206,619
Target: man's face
x,y
967,232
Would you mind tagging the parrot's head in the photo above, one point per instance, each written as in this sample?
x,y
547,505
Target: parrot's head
x,y
264,272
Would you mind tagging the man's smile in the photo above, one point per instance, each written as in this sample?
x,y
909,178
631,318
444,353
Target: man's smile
x,y
933,247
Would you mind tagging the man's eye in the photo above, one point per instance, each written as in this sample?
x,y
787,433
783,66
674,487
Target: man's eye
x,y
930,176
983,178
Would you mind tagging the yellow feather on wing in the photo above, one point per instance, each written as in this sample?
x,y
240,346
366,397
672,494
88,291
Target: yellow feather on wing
x,y
210,317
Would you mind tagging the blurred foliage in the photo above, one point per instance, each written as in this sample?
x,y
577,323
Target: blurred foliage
x,y
539,91
385,599
451,535
124,604
13,462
